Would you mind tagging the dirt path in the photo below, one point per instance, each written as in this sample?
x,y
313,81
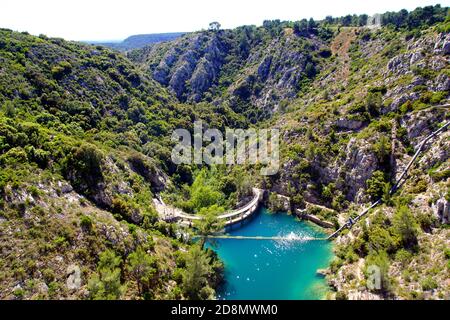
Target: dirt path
x,y
339,47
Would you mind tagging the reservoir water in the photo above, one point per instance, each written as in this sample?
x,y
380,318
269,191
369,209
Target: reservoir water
x,y
268,269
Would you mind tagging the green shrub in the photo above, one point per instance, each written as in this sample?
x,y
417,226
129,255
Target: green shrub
x,y
380,239
382,148
403,256
14,156
404,225
420,186
83,167
351,256
447,253
428,284
426,221
376,185
34,191
341,296
122,208
86,222
49,275
106,284
19,293
9,109
61,69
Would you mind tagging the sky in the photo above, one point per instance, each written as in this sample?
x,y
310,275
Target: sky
x,y
101,20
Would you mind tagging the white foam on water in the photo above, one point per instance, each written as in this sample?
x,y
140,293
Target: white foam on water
x,y
289,240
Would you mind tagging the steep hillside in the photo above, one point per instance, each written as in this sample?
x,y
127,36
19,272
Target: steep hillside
x,y
344,146
255,71
84,147
352,103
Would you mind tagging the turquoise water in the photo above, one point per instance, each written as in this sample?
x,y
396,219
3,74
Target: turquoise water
x,y
267,269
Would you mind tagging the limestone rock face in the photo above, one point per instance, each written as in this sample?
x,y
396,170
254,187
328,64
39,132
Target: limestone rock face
x,y
359,165
74,277
398,101
419,125
278,202
446,47
286,202
262,74
264,68
65,187
402,63
351,172
277,76
344,123
442,44
192,68
438,152
442,83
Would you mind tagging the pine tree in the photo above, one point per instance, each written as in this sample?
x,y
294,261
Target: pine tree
x,y
195,277
106,284
405,226
209,224
143,268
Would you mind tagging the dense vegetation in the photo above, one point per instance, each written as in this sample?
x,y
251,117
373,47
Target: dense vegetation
x,y
86,115
85,148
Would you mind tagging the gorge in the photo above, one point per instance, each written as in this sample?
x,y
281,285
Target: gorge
x,y
90,195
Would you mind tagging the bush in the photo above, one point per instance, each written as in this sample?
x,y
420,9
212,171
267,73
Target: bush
x,y
426,221
405,226
380,239
14,156
86,222
195,276
376,185
9,109
83,168
106,283
144,269
351,256
428,284
447,253
203,192
403,256
325,53
382,149
142,166
439,175
381,89
61,69
177,275
122,209
341,296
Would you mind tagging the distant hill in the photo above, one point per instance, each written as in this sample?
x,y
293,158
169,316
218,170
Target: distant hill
x,y
140,40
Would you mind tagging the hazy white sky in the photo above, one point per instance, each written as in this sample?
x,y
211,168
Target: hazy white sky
x,y
117,19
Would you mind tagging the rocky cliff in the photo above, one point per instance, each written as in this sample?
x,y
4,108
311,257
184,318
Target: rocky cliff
x,y
252,70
